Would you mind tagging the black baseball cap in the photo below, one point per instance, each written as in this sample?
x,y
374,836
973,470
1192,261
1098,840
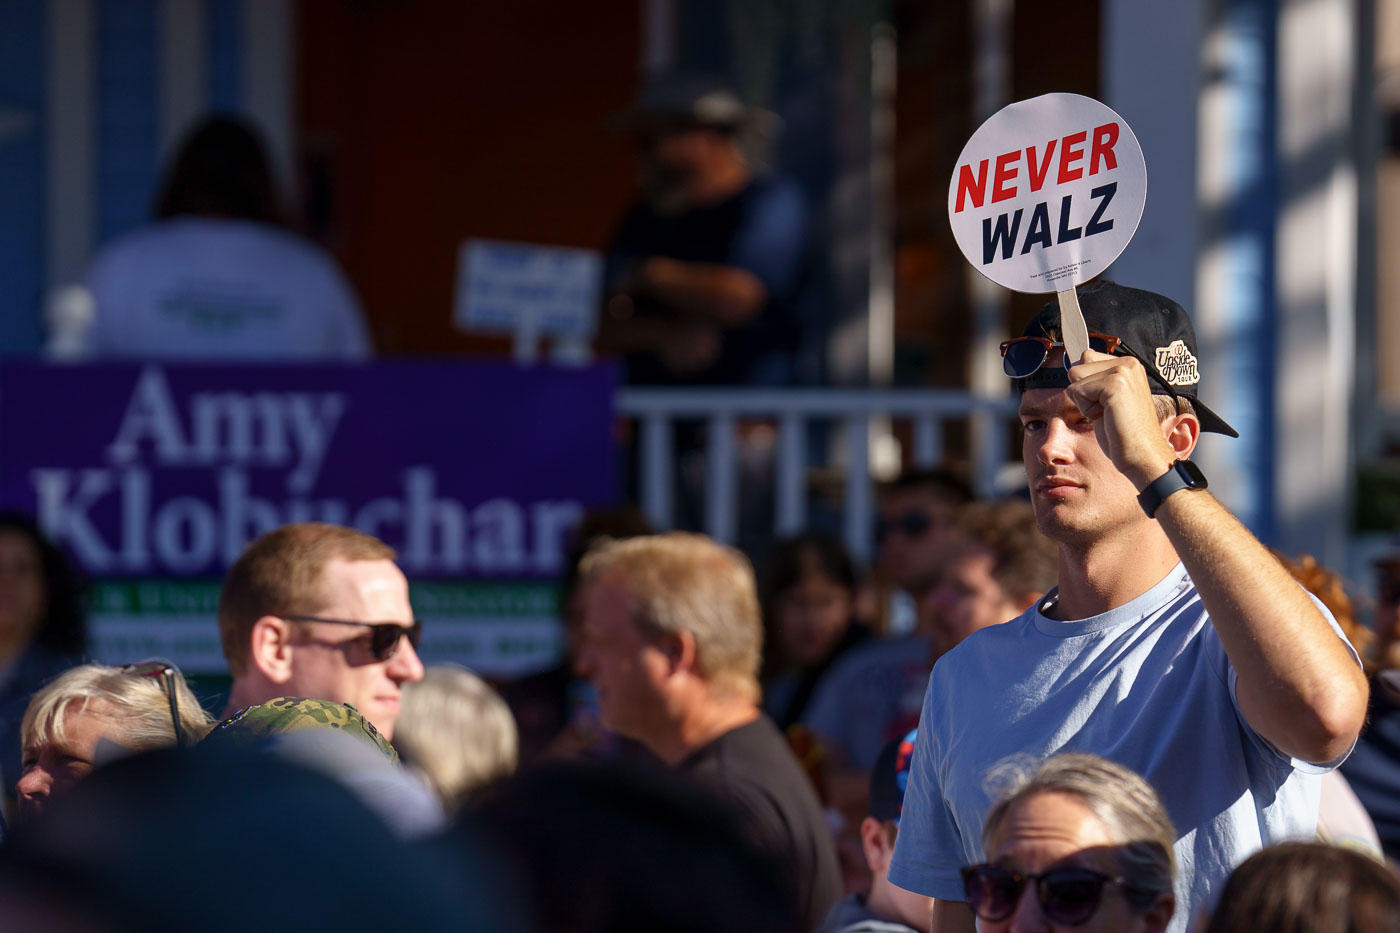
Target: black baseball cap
x,y
683,99
1152,328
890,776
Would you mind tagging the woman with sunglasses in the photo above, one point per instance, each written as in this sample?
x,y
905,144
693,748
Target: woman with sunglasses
x,y
95,713
1080,844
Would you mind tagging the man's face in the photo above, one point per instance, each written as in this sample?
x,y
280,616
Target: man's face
x,y
335,662
1077,493
673,157
916,537
968,598
627,668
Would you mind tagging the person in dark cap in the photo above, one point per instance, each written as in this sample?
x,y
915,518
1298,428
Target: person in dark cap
x,y
708,274
1174,644
885,908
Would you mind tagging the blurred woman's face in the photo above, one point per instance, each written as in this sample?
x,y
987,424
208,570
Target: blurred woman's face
x,y
22,600
812,616
51,766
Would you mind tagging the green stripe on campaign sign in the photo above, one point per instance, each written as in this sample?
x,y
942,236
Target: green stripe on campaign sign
x,y
461,601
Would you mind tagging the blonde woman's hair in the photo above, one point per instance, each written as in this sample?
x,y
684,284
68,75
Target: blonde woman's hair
x,y
456,730
682,582
136,704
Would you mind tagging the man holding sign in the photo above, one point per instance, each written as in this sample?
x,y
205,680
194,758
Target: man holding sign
x,y
1173,644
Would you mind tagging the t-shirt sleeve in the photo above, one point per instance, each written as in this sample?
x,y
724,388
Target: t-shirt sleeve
x,y
1262,745
929,851
773,237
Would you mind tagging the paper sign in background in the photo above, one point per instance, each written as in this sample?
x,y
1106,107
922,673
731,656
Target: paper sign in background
x,y
1047,193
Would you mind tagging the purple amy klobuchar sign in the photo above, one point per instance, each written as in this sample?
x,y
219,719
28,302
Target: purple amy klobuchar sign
x,y
470,470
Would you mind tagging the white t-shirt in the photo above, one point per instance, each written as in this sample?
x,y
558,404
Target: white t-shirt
x,y
1147,685
201,288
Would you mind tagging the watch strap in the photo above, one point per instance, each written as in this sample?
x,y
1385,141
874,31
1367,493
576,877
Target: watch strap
x,y
1175,479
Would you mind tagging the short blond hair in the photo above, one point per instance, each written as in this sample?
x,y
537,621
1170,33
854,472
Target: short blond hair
x,y
137,705
280,573
456,730
683,582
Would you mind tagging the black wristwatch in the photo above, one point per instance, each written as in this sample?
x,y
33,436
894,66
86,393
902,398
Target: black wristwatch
x,y
1183,475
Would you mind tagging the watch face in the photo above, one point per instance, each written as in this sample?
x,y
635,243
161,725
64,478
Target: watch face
x,y
1192,474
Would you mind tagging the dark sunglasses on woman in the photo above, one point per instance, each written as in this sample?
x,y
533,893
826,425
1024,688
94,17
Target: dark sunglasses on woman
x,y
1067,896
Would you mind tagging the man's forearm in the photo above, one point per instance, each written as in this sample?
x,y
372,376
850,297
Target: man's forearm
x,y
1298,685
727,295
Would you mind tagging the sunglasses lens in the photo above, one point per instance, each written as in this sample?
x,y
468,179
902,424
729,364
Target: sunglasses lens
x,y
992,892
1070,897
1098,344
386,638
1023,357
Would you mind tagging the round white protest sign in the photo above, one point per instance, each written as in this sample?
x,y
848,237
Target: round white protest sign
x,y
1047,192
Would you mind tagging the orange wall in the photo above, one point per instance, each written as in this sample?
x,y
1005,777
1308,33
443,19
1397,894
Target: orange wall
x,y
439,121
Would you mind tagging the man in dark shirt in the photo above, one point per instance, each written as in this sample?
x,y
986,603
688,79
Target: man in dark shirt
x,y
708,275
672,640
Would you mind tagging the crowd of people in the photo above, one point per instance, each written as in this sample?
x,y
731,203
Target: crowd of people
x,y
1109,706
1114,710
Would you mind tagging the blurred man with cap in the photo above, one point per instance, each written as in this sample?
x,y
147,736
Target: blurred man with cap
x,y
1174,644
886,908
707,276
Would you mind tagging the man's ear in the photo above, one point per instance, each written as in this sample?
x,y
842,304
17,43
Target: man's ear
x,y
1182,434
875,842
271,650
679,648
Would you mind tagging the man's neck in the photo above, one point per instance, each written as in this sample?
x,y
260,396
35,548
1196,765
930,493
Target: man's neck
x,y
882,903
245,692
701,725
1112,572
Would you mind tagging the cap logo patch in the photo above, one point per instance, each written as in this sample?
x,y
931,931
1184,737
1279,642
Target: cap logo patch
x,y
1177,365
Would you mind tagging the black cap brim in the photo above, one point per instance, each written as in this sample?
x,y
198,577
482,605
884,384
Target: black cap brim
x,y
1210,421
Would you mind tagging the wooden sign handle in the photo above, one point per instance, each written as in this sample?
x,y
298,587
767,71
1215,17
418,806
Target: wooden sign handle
x,y
1073,331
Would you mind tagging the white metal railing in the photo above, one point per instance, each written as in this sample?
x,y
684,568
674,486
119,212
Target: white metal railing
x,y
794,410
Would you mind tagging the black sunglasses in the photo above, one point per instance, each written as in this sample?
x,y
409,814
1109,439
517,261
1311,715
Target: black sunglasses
x,y
167,672
1067,895
910,524
1023,356
384,639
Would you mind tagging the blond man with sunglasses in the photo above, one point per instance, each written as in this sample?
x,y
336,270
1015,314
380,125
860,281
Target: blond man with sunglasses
x,y
320,611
